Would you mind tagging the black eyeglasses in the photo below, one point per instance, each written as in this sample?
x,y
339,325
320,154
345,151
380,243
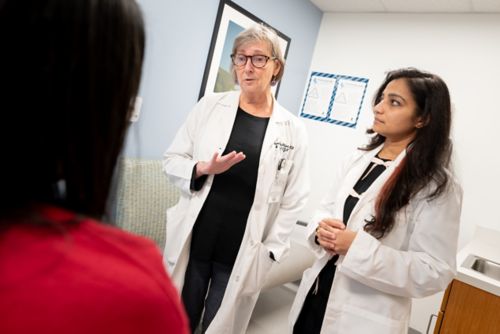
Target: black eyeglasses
x,y
258,61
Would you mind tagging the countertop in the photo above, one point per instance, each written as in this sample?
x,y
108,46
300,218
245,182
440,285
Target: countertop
x,y
485,244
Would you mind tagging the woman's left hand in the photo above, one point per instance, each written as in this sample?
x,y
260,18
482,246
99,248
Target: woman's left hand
x,y
342,237
343,240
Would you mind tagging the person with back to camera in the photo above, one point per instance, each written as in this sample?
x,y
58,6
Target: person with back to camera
x,y
238,204
70,71
387,230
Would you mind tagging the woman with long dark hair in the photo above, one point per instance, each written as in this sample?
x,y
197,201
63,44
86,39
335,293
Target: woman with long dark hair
x,y
69,73
387,231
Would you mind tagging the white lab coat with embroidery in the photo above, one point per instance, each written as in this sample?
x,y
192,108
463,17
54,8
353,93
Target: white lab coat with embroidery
x,y
280,194
376,279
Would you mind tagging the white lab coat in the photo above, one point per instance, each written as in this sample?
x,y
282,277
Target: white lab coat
x,y
376,279
279,196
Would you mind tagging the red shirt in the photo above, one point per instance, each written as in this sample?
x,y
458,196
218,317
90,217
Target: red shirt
x,y
90,278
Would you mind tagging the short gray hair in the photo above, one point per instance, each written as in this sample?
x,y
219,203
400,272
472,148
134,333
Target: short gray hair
x,y
259,32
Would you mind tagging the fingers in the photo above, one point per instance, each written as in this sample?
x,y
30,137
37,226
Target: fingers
x,y
231,159
225,158
328,246
238,158
335,240
328,228
330,235
324,232
335,223
214,157
221,163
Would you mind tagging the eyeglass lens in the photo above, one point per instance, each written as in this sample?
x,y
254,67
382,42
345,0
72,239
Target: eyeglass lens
x,y
257,60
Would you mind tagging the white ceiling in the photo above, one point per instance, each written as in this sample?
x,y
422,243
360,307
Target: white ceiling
x,y
408,6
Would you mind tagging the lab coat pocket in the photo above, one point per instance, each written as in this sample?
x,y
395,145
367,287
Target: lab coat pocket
x,y
357,320
171,243
175,229
280,180
258,270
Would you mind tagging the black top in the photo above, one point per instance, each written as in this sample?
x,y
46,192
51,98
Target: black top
x,y
371,173
311,316
220,226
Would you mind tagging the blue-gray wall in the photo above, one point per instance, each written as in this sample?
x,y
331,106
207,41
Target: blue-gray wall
x,y
178,40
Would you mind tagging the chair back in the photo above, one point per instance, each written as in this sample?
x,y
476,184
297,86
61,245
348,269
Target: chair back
x,y
143,194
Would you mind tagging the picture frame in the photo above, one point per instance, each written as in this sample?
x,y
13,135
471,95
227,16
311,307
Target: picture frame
x,y
231,20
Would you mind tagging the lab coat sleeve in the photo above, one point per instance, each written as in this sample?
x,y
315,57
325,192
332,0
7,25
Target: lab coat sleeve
x,y
325,210
178,162
326,207
426,267
294,199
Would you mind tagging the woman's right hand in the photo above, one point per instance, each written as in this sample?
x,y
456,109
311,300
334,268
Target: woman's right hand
x,y
327,233
218,164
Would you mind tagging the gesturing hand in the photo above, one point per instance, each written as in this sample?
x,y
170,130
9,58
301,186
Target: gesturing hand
x,y
218,164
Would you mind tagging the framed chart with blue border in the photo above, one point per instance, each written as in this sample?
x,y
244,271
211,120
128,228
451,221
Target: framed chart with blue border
x,y
334,98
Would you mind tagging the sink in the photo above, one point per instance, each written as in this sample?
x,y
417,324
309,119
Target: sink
x,y
481,265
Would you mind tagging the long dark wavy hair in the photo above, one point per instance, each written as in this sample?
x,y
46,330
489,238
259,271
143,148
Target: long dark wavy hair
x,y
427,156
69,73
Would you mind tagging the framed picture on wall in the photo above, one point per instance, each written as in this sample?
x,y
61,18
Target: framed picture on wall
x,y
231,20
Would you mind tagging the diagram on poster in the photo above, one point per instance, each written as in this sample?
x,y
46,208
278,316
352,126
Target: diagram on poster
x,y
319,96
335,99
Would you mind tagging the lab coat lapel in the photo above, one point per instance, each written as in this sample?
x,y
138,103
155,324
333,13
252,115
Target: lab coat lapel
x,y
373,191
358,166
228,107
273,132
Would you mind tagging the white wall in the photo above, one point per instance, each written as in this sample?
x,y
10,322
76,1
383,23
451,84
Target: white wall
x,y
465,51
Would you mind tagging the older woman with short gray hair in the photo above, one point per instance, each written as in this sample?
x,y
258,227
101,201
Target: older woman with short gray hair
x,y
261,33
240,161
